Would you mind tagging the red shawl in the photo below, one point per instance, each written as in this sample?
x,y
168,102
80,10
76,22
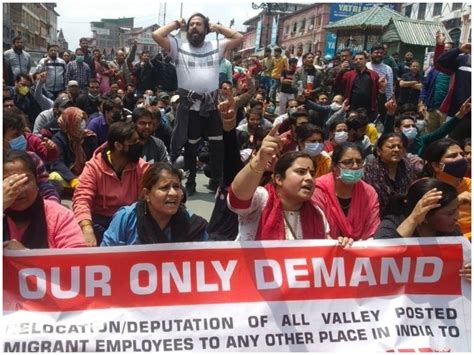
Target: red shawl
x,y
272,223
363,218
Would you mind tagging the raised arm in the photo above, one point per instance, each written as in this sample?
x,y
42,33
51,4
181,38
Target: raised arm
x,y
234,37
243,99
248,179
131,55
439,50
44,102
160,36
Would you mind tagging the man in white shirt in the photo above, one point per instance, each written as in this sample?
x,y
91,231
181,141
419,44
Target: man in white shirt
x,y
299,56
197,69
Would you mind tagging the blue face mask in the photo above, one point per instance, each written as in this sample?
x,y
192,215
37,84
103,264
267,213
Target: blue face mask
x,y
18,143
271,110
410,133
313,149
349,176
292,111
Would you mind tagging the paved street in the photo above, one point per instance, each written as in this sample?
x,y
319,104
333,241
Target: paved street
x,y
202,202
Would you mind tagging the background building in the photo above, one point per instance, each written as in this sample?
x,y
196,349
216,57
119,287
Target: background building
x,y
291,25
35,22
456,17
265,28
63,44
107,33
305,28
144,39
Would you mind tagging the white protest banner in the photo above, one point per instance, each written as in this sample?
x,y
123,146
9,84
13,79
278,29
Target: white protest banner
x,y
392,295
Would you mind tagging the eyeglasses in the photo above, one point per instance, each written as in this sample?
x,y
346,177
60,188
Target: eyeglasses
x,y
144,123
349,163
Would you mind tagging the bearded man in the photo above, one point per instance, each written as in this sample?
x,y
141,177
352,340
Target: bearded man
x,y
56,68
197,69
386,80
17,60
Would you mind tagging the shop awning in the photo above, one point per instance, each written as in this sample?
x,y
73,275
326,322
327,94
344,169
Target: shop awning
x,y
416,32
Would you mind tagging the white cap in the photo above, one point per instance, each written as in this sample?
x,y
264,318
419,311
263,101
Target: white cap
x,y
174,98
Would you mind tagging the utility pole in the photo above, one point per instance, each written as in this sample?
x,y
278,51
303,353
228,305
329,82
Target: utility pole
x,y
164,16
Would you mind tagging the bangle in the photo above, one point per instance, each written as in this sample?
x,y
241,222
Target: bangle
x,y
85,223
255,169
178,24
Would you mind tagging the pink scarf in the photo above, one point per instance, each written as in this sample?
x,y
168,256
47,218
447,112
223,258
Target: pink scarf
x,y
272,223
354,224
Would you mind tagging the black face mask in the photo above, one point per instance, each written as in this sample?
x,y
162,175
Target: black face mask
x,y
456,168
134,152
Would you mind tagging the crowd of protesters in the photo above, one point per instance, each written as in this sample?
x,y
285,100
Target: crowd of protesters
x,y
295,145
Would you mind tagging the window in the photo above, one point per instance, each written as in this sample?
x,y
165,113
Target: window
x,y
287,29
438,7
294,27
455,36
457,6
421,11
303,24
408,10
319,20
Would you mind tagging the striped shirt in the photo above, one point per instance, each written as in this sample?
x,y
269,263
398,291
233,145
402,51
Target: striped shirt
x,y
197,68
383,70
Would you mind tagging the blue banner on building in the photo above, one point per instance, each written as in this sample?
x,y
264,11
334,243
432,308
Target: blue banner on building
x,y
340,11
330,43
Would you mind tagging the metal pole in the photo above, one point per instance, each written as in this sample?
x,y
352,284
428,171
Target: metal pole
x,y
164,16
181,12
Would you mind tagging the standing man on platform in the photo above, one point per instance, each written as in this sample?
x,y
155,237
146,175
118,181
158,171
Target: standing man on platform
x,y
197,68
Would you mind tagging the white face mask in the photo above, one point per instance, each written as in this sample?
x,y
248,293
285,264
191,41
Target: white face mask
x,y
83,125
420,124
335,106
341,137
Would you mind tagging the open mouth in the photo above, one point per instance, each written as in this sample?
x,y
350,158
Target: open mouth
x,y
308,188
